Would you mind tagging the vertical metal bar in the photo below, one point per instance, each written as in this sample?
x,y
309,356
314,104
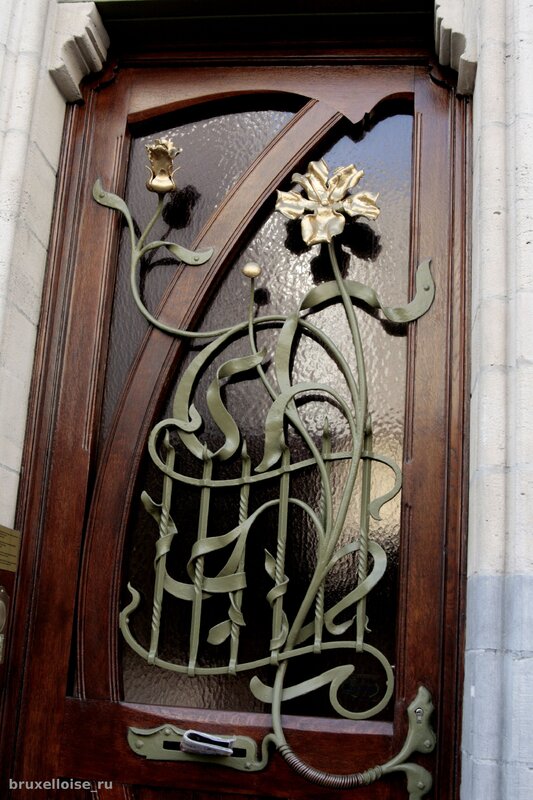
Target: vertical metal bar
x,y
320,595
364,521
161,551
237,596
196,615
278,635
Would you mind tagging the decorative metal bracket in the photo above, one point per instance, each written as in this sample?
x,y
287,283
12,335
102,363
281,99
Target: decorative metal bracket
x,y
169,743
320,201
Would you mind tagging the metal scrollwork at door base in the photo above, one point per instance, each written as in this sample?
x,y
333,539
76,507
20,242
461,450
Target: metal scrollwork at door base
x,y
319,200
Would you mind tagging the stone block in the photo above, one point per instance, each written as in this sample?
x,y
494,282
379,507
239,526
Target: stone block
x,y
485,612
18,344
524,407
13,403
483,712
25,283
48,119
486,535
9,482
517,781
524,325
518,617
520,556
489,401
517,733
38,194
489,334
480,780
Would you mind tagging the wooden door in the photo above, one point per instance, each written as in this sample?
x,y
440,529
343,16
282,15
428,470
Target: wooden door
x,y
105,376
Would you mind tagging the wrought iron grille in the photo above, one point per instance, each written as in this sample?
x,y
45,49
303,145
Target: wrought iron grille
x,y
217,562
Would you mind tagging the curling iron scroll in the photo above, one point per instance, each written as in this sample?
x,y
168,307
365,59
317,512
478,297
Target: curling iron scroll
x,y
217,561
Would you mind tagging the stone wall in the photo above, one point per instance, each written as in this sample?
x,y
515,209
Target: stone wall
x,y
46,48
498,710
31,123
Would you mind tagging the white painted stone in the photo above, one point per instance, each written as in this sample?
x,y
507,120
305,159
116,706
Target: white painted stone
x,y
47,130
12,170
456,41
487,537
519,702
25,284
485,613
33,34
520,551
501,512
490,350
489,446
25,37
517,781
9,482
13,402
4,27
19,336
524,244
524,326
11,450
482,730
524,417
518,616
480,776
80,46
37,201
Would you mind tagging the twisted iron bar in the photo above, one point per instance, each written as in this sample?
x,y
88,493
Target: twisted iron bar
x,y
329,779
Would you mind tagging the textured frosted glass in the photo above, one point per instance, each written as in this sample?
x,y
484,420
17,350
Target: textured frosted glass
x,y
216,151
376,254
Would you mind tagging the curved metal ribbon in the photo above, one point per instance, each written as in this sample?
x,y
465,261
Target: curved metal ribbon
x,y
422,301
215,545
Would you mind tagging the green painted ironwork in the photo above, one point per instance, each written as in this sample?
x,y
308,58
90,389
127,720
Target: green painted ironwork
x,y
313,628
164,743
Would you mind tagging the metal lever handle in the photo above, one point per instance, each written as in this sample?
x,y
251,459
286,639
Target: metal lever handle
x,y
206,744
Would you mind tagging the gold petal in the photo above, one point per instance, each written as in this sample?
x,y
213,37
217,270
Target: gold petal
x,y
362,205
321,226
314,182
343,179
168,144
161,152
161,182
291,204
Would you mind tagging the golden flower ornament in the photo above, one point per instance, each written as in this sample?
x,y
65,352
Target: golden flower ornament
x,y
326,197
161,154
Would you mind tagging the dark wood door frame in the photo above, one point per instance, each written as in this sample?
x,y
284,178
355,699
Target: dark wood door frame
x,y
61,437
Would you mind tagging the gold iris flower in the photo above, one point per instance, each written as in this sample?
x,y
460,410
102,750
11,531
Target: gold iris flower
x,y
327,196
161,154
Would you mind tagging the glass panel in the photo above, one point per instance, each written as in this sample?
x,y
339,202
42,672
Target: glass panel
x,y
217,149
375,254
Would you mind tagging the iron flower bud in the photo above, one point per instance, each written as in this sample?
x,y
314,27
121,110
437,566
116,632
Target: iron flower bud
x,y
161,154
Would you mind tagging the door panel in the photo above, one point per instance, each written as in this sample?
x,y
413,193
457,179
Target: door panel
x,y
83,486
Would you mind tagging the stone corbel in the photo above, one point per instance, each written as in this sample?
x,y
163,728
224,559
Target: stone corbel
x,y
456,40
81,41
79,46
